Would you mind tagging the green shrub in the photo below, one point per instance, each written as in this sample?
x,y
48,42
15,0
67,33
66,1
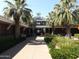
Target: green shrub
x,y
64,48
76,35
48,39
57,54
71,53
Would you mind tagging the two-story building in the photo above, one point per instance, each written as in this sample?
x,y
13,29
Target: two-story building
x,y
40,25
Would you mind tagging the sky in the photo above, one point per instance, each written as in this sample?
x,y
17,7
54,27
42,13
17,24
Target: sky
x,y
41,6
37,6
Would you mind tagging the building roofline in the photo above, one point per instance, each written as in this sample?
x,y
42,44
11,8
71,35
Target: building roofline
x,y
9,21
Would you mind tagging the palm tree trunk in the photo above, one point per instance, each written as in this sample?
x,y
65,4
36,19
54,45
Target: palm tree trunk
x,y
53,29
17,29
68,31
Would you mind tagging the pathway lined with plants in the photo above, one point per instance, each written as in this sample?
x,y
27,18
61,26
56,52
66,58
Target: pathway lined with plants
x,y
35,49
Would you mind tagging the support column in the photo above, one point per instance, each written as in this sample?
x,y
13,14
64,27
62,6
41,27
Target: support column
x,y
44,30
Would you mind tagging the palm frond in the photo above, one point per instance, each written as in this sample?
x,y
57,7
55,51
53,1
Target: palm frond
x,y
27,9
23,5
10,4
5,8
23,1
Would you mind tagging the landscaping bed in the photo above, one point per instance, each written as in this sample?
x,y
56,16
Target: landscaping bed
x,y
61,47
7,42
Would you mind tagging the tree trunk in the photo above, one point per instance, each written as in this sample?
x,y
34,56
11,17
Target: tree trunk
x,y
17,29
68,31
53,29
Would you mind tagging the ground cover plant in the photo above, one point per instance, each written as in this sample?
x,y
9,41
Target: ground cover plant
x,y
61,47
76,35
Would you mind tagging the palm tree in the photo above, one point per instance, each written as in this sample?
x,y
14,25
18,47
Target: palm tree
x,y
53,17
67,14
62,14
49,22
18,11
76,15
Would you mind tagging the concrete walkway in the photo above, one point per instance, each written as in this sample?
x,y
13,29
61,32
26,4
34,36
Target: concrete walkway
x,y
35,49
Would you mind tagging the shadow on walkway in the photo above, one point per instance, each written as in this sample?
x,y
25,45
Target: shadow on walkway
x,y
37,42
35,49
13,51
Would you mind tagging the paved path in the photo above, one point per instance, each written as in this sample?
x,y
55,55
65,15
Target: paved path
x,y
35,49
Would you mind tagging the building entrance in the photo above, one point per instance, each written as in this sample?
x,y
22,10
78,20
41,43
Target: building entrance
x,y
42,31
39,31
